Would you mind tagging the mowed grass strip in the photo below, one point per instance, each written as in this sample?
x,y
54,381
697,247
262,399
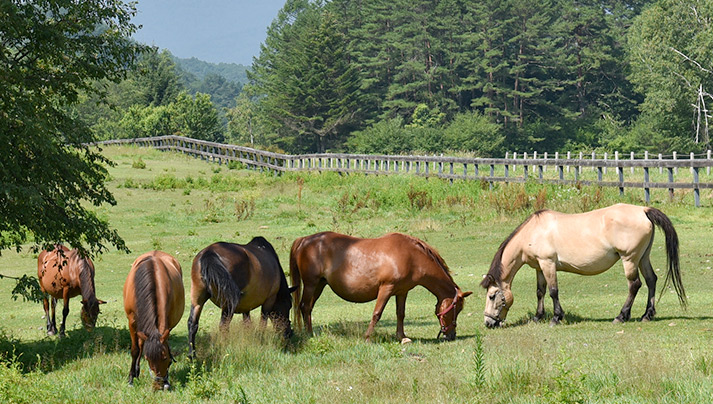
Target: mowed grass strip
x,y
177,204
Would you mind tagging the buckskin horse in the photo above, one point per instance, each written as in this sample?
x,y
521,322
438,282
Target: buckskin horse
x,y
586,244
239,278
361,270
154,302
65,274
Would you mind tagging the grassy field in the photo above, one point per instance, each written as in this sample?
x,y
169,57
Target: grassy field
x,y
179,205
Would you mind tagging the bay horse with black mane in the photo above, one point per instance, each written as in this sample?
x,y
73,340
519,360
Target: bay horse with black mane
x,y
65,274
238,278
586,244
362,269
154,302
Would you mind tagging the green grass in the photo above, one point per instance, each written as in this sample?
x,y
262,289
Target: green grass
x,y
180,205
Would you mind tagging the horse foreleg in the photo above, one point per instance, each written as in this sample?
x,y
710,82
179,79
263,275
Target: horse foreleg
x,y
541,290
400,314
650,277
135,354
193,317
381,299
51,328
632,275
65,311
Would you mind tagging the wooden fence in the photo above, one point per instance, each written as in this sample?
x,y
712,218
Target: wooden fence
x,y
673,172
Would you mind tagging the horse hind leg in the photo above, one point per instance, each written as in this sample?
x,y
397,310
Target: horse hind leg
x,y
193,318
650,277
541,290
632,275
310,294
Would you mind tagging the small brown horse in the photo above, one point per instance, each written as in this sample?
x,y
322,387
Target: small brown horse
x,y
154,302
238,278
65,274
361,270
586,244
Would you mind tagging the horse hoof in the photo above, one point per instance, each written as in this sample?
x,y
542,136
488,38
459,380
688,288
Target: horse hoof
x,y
617,321
406,340
50,333
645,319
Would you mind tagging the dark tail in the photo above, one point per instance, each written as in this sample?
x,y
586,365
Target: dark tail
x,y
218,281
673,274
296,282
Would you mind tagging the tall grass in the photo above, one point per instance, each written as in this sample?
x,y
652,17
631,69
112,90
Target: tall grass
x,y
180,205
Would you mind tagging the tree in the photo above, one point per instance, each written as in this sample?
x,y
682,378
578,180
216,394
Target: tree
x,y
52,50
306,82
196,117
671,49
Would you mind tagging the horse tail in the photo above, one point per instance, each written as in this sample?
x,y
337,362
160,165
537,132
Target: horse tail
x,y
146,308
296,281
673,275
218,280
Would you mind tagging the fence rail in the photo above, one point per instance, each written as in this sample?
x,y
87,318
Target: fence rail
x,y
608,171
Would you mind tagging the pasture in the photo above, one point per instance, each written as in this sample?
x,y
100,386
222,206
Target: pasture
x,y
180,205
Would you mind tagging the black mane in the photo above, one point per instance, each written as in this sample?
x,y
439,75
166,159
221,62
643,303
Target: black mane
x,y
496,268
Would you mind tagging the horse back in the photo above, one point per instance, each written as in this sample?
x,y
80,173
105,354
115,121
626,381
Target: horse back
x,y
60,269
165,289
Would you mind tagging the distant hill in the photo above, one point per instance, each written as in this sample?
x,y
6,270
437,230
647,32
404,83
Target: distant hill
x,y
230,71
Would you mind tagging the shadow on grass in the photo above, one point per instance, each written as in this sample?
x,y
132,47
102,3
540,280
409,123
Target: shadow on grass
x,y
574,318
52,353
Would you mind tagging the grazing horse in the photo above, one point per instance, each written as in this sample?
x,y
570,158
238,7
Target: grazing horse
x,y
361,270
154,302
65,274
586,244
238,278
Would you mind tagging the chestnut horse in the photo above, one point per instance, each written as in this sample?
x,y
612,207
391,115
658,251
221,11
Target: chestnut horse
x,y
586,244
154,302
65,274
238,278
361,270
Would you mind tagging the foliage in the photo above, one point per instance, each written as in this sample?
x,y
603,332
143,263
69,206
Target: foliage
x,y
472,131
52,51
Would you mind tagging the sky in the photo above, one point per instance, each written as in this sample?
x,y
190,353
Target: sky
x,y
228,31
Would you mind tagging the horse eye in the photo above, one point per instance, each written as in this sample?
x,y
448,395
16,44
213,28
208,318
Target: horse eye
x,y
492,297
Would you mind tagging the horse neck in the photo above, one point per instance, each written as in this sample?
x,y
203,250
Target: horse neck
x,y
86,280
511,262
441,285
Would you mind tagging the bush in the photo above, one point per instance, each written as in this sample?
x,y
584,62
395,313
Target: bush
x,y
471,131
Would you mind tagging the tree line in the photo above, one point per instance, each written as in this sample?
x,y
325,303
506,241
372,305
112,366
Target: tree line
x,y
397,76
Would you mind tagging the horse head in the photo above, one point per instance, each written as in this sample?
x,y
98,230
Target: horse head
x,y
158,355
281,309
90,312
498,301
447,311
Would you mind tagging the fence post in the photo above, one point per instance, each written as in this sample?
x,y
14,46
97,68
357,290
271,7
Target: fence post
x,y
660,163
696,190
569,157
606,156
620,171
514,157
647,193
670,181
492,174
708,157
675,170
632,159
544,168
692,158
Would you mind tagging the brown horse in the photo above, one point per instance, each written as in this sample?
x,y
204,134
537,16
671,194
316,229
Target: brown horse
x,y
65,274
586,244
154,302
239,278
361,270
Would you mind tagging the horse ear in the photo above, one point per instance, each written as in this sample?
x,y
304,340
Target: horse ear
x,y
164,336
292,289
487,281
466,294
141,336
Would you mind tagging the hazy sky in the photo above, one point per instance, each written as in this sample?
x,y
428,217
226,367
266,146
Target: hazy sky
x,y
229,31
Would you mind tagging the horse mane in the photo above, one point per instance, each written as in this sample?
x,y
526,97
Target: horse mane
x,y
145,295
261,242
496,266
86,279
433,254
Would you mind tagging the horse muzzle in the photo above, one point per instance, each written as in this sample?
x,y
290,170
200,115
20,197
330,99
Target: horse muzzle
x,y
161,383
492,322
